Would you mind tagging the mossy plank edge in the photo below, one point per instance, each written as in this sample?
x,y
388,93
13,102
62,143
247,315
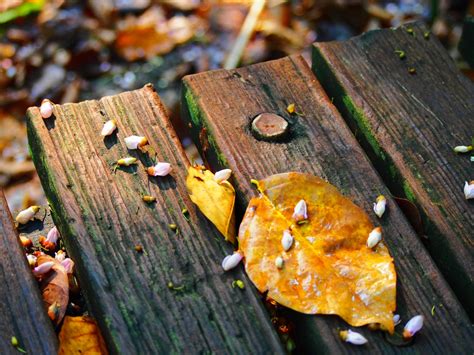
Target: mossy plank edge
x,y
102,218
320,143
448,243
22,310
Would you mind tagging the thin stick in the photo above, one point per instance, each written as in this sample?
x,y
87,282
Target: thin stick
x,y
245,32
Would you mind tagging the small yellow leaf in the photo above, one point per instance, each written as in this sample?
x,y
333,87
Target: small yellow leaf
x,y
80,335
322,266
215,200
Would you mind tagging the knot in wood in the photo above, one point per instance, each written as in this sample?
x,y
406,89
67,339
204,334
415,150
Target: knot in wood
x,y
269,126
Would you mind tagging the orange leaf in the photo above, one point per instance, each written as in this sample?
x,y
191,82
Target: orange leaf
x,y
55,289
215,200
328,269
80,335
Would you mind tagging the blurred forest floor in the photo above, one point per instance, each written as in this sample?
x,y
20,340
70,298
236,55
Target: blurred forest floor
x,y
70,51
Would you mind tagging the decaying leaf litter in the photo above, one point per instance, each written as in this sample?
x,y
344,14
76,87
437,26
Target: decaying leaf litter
x,y
36,63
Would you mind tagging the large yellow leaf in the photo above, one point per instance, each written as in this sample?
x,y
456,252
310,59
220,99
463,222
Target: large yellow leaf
x,y
329,269
215,200
80,335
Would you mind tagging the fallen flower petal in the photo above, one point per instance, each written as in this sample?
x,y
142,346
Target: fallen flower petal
x,y
300,212
43,268
380,205
60,255
109,128
134,142
287,240
374,237
413,326
46,109
26,242
231,261
68,265
396,319
291,108
469,190
26,215
279,262
160,169
352,337
222,175
462,149
31,260
148,198
53,236
127,161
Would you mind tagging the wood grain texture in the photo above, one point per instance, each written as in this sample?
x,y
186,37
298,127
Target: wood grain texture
x,y
221,105
102,217
409,125
22,313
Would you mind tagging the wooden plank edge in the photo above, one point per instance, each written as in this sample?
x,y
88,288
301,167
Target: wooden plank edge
x,y
33,328
354,116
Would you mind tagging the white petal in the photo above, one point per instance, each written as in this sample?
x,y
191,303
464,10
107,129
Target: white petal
x,y
60,255
279,262
160,169
133,142
53,235
43,268
109,127
46,109
396,319
127,161
462,149
353,337
287,240
231,261
413,326
26,215
222,175
380,205
374,237
469,190
300,212
31,260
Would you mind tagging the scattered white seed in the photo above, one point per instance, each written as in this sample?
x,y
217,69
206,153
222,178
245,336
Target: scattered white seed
x,y
279,262
60,255
222,175
53,235
134,142
231,261
26,215
160,169
462,149
469,190
300,212
287,240
374,237
31,260
472,159
352,337
44,268
46,109
396,319
413,326
380,205
127,161
109,128
68,264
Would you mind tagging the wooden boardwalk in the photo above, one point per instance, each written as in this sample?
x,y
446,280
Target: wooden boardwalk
x,y
362,122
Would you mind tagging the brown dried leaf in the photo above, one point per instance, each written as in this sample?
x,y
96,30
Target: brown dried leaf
x,y
329,269
55,289
80,335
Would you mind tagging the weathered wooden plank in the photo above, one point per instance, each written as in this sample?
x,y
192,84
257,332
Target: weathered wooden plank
x,y
409,124
101,217
222,105
22,313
